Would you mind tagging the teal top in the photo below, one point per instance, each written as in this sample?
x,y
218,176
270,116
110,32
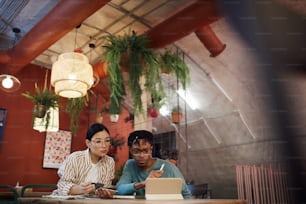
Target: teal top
x,y
133,174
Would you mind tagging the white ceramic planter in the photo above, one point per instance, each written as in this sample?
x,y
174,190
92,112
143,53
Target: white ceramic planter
x,y
114,118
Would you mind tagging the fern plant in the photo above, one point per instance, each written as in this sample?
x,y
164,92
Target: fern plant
x,y
43,96
145,63
173,62
74,107
44,99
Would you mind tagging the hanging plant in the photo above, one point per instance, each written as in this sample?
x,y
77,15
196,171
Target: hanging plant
x,y
153,112
176,114
44,99
173,62
74,107
116,142
143,62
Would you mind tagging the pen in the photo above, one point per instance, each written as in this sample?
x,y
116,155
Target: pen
x,y
162,166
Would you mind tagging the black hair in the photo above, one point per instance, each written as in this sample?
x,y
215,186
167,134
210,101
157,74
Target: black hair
x,y
94,128
140,134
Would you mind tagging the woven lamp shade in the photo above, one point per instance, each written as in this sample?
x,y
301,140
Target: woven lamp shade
x,y
71,75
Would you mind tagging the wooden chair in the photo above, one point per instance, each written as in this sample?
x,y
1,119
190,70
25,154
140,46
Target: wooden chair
x,y
199,190
37,190
8,195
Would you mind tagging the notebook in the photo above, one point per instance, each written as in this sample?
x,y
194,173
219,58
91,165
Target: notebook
x,y
163,189
124,196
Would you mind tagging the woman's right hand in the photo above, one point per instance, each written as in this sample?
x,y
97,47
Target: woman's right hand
x,y
156,174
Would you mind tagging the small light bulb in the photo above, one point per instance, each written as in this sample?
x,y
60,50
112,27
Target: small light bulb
x,y
7,82
91,82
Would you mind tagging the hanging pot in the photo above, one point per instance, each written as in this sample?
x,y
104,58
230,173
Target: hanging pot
x,y
112,150
153,113
99,118
114,118
176,117
39,111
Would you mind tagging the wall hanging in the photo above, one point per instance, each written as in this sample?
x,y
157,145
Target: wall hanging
x,y
57,148
2,122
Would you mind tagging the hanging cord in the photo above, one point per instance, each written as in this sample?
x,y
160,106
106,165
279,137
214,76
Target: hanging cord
x,y
186,131
75,37
178,97
46,78
92,46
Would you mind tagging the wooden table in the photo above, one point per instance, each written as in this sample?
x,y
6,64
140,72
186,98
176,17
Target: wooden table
x,y
26,194
36,200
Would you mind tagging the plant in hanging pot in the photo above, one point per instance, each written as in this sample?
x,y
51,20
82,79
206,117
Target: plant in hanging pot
x,y
116,142
143,67
44,99
74,107
114,110
172,62
176,114
153,112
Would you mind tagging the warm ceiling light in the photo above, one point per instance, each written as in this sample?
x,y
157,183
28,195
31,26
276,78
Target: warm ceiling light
x,y
71,75
9,83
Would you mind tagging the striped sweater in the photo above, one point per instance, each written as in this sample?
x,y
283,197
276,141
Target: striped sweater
x,y
75,168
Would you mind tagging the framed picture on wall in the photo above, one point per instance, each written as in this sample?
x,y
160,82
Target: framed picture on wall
x,y
57,148
2,122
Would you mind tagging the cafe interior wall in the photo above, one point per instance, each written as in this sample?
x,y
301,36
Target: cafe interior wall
x,y
255,116
22,148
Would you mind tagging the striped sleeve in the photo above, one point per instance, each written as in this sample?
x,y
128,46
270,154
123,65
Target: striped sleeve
x,y
74,171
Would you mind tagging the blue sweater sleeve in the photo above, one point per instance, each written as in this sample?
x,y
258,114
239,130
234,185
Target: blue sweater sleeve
x,y
126,189
125,185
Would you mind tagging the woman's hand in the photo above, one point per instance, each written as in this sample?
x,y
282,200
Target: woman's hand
x,y
105,193
83,188
156,174
87,188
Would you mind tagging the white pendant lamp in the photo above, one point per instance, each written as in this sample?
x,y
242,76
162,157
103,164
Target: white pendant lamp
x,y
9,83
71,75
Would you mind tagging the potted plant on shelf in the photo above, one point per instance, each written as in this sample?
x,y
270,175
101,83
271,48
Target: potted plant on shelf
x,y
44,99
176,114
143,63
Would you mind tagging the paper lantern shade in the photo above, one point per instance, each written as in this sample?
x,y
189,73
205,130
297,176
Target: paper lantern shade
x,y
71,75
